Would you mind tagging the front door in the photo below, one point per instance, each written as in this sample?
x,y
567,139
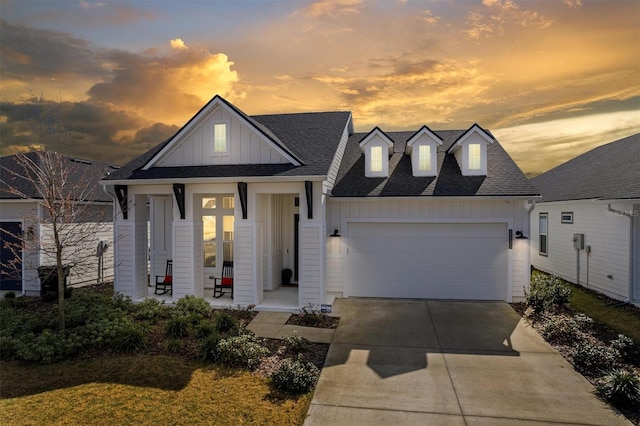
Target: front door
x,y
10,256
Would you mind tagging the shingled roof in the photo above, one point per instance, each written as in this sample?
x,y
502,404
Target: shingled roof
x,y
609,172
312,137
504,177
80,170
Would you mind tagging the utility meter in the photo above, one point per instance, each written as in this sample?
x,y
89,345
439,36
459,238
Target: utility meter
x,y
578,241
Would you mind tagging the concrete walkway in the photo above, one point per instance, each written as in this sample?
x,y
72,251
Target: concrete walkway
x,y
416,362
272,325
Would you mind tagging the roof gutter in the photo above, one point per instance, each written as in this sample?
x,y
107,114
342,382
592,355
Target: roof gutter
x,y
258,179
630,215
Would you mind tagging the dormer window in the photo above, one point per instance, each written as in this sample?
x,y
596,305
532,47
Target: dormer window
x,y
423,149
424,158
377,147
475,162
220,141
376,159
470,151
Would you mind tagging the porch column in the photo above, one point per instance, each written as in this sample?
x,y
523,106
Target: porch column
x,y
187,258
131,249
312,237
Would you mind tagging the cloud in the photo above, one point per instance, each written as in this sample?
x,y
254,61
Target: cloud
x,y
178,44
166,88
538,147
332,7
499,17
574,4
90,130
429,18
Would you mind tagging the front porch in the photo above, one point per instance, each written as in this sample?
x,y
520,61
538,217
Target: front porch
x,y
282,299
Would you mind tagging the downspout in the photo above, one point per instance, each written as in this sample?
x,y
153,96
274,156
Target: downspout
x,y
630,216
531,207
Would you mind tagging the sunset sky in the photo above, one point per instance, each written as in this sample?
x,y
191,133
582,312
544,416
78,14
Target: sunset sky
x,y
551,79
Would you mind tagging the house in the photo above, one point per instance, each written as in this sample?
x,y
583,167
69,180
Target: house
x,y
26,231
587,227
428,214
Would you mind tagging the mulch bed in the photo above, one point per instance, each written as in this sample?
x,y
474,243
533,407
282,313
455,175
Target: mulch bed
x,y
313,320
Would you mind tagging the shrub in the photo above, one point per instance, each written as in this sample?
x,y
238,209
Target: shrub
x,y
225,323
310,317
244,350
131,338
566,331
295,377
10,295
204,329
592,360
295,343
207,347
625,346
197,306
620,388
122,302
178,326
148,309
547,292
46,348
173,346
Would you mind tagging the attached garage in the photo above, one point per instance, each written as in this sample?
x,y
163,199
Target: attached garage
x,y
427,260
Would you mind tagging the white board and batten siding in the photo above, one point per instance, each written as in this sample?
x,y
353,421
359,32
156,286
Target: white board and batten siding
x,y
433,216
244,263
311,262
608,267
185,258
245,146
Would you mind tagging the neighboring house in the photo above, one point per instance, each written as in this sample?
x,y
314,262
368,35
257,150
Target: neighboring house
x,y
428,214
587,227
23,220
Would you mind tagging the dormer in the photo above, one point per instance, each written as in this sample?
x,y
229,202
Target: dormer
x,y
423,149
377,148
470,151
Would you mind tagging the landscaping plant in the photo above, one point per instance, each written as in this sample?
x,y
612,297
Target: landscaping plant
x,y
547,292
295,376
620,388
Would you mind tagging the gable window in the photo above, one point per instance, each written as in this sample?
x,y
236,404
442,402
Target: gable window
x,y
220,138
474,156
376,158
543,233
566,217
424,158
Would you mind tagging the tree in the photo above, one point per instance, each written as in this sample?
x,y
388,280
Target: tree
x,y
65,190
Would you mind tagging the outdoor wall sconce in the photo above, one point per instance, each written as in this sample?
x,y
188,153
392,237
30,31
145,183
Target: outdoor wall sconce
x,y
520,236
336,233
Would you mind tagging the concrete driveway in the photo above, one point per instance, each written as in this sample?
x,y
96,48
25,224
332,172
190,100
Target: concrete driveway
x,y
405,362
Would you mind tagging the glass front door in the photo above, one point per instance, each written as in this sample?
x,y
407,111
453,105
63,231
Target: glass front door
x,y
217,230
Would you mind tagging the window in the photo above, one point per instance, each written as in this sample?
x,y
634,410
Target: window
x,y
543,231
219,138
217,221
376,158
474,156
566,217
424,158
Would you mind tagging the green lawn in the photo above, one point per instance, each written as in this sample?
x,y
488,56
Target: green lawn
x,y
623,319
141,389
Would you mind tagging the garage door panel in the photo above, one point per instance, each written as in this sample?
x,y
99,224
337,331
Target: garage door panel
x,y
446,261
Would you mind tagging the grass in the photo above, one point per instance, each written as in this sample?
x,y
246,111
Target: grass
x,y
625,320
141,389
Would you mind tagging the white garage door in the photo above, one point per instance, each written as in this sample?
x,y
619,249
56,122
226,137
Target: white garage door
x,y
434,261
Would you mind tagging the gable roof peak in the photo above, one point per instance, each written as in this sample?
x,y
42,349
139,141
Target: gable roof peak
x,y
475,128
218,100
